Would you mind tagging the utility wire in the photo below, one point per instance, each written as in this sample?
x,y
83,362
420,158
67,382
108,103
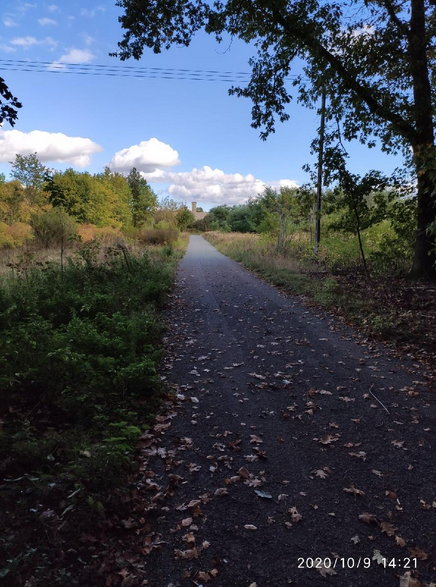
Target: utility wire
x,y
124,71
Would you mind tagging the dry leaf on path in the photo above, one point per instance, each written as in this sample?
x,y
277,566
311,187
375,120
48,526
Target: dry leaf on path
x,y
324,571
407,580
368,518
295,515
353,490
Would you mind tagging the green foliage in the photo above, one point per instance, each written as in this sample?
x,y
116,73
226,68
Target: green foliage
x,y
143,200
9,104
79,350
30,172
53,227
184,218
102,199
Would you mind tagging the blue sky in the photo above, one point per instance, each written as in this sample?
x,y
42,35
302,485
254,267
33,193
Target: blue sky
x,y
191,140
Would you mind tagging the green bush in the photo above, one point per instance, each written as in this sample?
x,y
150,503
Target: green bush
x,y
53,227
79,348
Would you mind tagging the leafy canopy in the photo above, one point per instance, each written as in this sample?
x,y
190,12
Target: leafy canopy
x,y
360,50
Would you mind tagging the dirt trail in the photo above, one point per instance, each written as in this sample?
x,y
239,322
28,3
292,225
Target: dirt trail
x,y
289,439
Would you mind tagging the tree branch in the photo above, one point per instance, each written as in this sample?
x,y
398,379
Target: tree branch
x,y
403,28
366,94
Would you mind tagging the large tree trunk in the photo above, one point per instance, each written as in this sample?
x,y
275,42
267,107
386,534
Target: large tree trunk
x,y
424,263
423,144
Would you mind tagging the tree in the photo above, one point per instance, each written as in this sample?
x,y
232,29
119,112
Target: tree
x,y
184,218
9,104
376,59
31,173
143,199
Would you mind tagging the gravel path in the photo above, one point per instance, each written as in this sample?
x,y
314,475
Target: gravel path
x,y
291,446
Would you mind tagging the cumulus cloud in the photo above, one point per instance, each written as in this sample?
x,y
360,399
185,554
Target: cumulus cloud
x,y
148,156
74,56
77,56
154,160
56,147
214,185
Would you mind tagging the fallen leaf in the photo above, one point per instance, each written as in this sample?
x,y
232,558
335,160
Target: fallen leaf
x,y
187,554
418,553
329,438
321,473
378,473
388,528
295,515
255,439
368,518
407,580
355,539
186,522
377,556
400,541
189,538
361,454
244,473
398,443
324,571
257,376
231,480
353,490
221,491
250,527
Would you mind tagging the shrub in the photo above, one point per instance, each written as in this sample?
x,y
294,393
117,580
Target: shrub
x,y
14,235
53,227
158,236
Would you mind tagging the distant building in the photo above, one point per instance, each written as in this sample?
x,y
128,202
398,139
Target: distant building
x,y
197,215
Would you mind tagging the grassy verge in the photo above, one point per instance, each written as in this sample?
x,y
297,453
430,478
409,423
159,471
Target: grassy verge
x,y
79,351
389,308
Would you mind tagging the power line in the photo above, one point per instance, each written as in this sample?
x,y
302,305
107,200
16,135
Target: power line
x,y
122,71
139,72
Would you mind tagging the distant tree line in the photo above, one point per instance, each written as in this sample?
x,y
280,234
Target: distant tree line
x,y
42,202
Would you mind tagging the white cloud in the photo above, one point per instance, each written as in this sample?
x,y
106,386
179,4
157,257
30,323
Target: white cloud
x,y
29,41
77,56
153,159
74,56
53,8
47,21
24,41
56,147
147,156
214,185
